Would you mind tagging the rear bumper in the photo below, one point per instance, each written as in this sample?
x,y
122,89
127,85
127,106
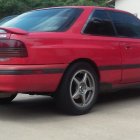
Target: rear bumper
x,y
30,78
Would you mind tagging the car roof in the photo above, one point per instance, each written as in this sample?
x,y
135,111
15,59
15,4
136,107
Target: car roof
x,y
88,7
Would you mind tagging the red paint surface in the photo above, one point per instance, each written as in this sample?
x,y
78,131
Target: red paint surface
x,y
59,49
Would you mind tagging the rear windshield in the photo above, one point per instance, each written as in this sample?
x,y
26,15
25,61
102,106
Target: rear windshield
x,y
49,20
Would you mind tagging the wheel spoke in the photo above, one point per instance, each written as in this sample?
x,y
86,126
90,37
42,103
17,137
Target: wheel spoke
x,y
90,89
77,81
83,96
76,95
85,78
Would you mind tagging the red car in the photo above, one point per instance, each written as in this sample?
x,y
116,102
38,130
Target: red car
x,y
70,53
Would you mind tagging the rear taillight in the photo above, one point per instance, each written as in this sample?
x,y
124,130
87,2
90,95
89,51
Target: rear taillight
x,y
12,48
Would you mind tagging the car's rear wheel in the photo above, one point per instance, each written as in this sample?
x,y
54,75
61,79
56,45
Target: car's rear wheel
x,y
6,98
78,90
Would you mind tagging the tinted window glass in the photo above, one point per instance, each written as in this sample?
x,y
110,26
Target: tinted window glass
x,y
54,19
100,24
126,25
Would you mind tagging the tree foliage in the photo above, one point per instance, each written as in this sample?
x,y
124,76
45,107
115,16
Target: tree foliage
x,y
12,7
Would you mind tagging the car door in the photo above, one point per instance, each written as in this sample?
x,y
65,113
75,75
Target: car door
x,y
100,32
128,29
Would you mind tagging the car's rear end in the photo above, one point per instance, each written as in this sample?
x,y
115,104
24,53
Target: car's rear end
x,y
19,71
38,53
27,64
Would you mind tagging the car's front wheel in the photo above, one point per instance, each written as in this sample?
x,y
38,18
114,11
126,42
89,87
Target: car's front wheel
x,y
78,90
6,97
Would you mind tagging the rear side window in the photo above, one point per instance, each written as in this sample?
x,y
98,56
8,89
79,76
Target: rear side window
x,y
126,25
50,20
100,24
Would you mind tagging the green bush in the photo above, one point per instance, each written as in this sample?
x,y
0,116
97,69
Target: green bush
x,y
12,7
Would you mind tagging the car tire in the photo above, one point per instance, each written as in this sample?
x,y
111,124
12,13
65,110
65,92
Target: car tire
x,y
78,90
6,98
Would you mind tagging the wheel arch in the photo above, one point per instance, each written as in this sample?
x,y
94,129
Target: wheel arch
x,y
86,60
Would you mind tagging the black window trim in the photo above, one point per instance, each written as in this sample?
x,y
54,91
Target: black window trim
x,y
87,21
115,30
89,18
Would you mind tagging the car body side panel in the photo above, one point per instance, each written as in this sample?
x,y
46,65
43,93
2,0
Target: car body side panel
x,y
131,60
64,49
